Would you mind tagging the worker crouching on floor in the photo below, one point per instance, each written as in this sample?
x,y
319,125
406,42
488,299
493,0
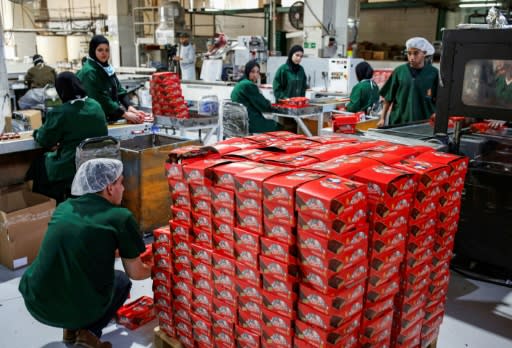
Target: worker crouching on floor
x,y
72,283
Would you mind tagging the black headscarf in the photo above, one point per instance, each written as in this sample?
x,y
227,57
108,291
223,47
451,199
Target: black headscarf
x,y
37,58
249,66
364,71
293,50
68,87
95,42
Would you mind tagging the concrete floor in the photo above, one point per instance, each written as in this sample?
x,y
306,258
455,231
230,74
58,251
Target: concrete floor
x,y
478,315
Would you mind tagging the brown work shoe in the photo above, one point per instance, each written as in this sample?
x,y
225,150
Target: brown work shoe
x,y
69,336
87,339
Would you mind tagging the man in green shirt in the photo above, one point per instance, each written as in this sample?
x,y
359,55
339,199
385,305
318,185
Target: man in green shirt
x,y
411,89
72,283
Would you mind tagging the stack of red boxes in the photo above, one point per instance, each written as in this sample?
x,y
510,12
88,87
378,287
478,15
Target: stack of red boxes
x,y
390,194
411,302
444,238
161,274
332,237
166,96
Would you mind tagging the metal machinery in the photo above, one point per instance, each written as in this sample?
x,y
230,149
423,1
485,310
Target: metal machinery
x,y
473,62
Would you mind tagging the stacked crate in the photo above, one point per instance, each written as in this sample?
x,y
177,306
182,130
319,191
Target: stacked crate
x,y
390,194
166,95
162,279
333,242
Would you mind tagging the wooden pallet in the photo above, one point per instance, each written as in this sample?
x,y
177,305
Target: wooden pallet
x,y
161,340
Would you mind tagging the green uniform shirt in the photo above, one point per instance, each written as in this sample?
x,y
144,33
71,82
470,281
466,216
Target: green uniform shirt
x,y
247,93
67,125
363,96
413,99
106,90
40,76
70,283
288,84
503,92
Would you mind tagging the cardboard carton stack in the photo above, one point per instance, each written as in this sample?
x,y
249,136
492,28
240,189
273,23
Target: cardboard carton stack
x,y
166,95
278,240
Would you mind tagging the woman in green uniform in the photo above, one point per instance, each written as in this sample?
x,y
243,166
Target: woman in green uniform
x,y
101,83
246,92
365,94
290,79
66,125
411,89
72,283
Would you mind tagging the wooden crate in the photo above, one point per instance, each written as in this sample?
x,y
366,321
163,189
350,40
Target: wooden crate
x,y
161,340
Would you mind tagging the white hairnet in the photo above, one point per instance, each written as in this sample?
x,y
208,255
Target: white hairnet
x,y
95,174
420,43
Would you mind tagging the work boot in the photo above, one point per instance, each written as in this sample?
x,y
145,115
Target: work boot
x,y
69,336
87,339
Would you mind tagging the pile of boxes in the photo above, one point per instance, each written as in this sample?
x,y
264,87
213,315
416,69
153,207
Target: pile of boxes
x,y
166,95
285,241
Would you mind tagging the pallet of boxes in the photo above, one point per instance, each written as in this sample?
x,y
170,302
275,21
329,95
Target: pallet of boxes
x,y
278,240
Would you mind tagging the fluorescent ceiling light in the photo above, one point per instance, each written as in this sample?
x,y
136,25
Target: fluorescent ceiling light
x,y
480,4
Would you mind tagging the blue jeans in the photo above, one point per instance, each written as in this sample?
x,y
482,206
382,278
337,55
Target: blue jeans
x,y
122,286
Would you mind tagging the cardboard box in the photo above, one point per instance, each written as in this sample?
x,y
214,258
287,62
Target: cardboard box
x,y
224,176
334,303
281,188
250,182
24,218
24,120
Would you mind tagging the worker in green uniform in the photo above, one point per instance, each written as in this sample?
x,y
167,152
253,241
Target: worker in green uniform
x,y
504,86
290,78
411,89
246,92
101,83
72,283
65,126
40,74
365,94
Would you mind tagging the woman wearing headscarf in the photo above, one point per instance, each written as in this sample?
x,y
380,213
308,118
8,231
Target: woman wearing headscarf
x,y
365,94
290,79
65,126
246,92
101,83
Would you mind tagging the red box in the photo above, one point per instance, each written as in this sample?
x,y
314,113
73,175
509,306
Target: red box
x,y
136,313
180,228
276,322
225,294
458,164
224,309
272,338
245,255
201,206
307,336
223,245
250,305
202,298
203,284
451,198
202,222
246,239
223,264
381,210
248,205
181,201
201,237
328,321
329,266
390,258
161,276
287,289
370,328
333,284
405,335
223,215
201,253
385,158
429,174
250,182
278,304
280,189
290,160
248,291
200,325
183,301
388,288
423,226
415,244
391,223
332,229
223,229
279,214
194,172
281,233
415,275
329,304
224,176
385,182
183,274
401,151
248,321
222,324
328,151
329,248
182,256
223,340
381,339
201,192
246,338
222,279
255,155
178,187
330,197
278,251
389,241
201,269
287,272
373,310
250,221
162,234
422,256
249,274
181,216
343,166
223,198
174,171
